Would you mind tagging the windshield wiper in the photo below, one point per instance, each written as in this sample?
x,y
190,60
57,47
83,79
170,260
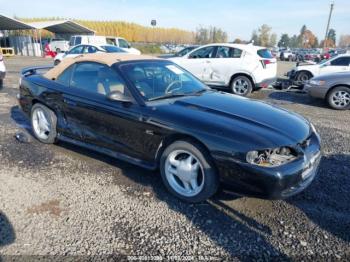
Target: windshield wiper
x,y
167,96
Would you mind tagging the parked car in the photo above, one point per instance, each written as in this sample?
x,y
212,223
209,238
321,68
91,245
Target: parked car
x,y
2,70
304,72
103,40
86,49
237,67
181,53
86,40
153,113
287,55
333,88
122,44
59,45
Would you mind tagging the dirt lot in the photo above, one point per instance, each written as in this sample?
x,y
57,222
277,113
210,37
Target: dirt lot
x,y
59,200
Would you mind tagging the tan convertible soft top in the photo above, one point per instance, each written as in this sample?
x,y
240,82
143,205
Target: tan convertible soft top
x,y
103,58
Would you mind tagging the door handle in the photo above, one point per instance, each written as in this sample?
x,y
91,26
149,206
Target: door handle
x,y
69,102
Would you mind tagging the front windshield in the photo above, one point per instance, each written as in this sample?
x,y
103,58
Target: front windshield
x,y
161,79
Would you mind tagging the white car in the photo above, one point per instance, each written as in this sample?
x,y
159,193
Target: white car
x,y
87,49
303,73
2,70
103,40
59,45
240,68
122,44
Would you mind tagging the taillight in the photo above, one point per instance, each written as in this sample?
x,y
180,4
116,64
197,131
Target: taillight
x,y
265,62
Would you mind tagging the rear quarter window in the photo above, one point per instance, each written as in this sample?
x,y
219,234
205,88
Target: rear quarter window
x,y
264,53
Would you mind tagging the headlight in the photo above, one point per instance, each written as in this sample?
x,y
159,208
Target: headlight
x,y
317,82
271,157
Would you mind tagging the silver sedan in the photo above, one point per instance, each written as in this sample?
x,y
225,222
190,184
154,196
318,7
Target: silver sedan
x,y
333,88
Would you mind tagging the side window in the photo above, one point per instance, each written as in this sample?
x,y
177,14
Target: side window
x,y
228,52
223,52
65,77
90,49
78,40
97,79
341,61
205,52
235,52
123,43
71,41
77,50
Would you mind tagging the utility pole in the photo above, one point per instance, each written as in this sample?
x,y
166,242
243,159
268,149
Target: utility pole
x,y
329,21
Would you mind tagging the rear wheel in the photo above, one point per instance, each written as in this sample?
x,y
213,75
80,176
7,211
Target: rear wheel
x,y
339,98
58,50
43,122
1,83
56,62
241,85
188,172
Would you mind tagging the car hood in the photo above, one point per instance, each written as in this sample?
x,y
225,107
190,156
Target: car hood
x,y
249,121
339,76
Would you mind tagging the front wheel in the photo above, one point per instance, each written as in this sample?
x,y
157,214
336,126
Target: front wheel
x,y
188,172
339,98
302,77
241,85
43,122
56,62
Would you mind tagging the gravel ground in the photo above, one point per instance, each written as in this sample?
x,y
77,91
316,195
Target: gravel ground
x,y
63,202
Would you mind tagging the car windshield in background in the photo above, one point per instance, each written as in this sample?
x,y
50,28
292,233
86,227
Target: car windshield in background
x,y
158,80
265,53
112,49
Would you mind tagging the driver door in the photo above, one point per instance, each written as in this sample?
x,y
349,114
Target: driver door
x,y
339,64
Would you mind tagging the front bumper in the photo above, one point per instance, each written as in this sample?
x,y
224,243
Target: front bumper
x,y
316,91
276,182
266,82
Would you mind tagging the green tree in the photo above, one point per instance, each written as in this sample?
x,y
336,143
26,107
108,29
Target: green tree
x,y
284,41
332,35
294,41
264,35
255,38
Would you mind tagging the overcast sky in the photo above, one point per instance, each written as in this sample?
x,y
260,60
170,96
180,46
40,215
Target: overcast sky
x,y
237,17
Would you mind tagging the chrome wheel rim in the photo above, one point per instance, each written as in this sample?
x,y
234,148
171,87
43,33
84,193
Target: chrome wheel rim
x,y
341,98
41,125
304,77
240,86
184,173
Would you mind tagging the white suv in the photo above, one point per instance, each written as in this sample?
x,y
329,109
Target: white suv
x,y
241,68
2,70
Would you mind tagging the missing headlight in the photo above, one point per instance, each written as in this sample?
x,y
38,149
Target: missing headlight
x,y
271,157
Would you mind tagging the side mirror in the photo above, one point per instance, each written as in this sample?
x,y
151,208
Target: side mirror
x,y
119,96
129,46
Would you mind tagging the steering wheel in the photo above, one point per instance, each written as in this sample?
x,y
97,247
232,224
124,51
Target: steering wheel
x,y
170,88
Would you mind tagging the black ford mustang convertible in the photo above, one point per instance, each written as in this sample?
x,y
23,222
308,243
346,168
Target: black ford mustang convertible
x,y
154,114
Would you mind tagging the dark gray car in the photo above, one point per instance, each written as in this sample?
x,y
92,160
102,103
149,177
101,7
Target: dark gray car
x,y
334,88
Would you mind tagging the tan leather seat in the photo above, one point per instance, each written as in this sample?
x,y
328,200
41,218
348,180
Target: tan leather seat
x,y
108,83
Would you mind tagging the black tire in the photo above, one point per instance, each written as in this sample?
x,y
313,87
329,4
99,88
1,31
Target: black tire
x,y
56,62
336,105
1,83
302,77
249,85
211,180
58,50
51,118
